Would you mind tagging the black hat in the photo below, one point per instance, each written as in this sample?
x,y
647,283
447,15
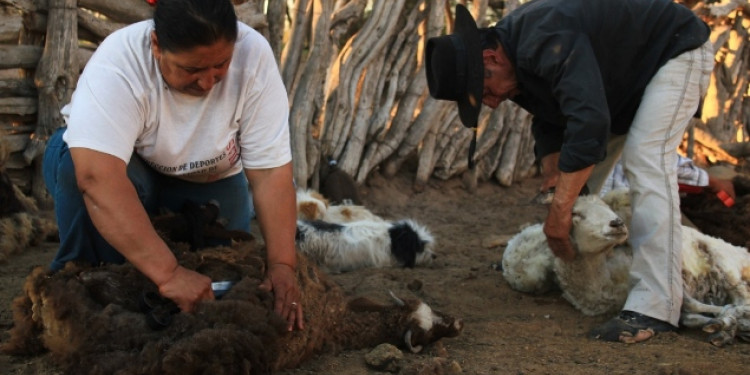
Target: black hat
x,y
455,69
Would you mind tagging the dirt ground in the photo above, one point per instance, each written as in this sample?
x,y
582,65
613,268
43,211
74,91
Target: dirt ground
x,y
505,332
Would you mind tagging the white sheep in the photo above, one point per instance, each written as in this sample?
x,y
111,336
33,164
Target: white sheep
x,y
529,266
715,273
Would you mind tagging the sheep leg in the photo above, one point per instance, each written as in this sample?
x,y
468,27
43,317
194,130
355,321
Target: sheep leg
x,y
694,320
691,305
724,324
721,338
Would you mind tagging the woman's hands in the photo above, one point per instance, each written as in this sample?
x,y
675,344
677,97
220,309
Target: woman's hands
x,y
282,281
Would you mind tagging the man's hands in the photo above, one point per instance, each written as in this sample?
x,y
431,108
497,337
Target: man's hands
x,y
186,288
282,281
557,229
560,217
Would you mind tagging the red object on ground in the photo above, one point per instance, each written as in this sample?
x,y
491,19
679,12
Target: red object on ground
x,y
151,2
725,198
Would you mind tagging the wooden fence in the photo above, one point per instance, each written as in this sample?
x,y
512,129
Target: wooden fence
x,y
355,77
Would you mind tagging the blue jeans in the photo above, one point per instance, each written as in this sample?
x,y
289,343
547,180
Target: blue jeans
x,y
79,239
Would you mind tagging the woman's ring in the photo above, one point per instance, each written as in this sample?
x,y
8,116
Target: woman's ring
x,y
294,304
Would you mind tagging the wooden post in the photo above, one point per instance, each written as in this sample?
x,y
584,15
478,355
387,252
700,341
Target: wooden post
x,y
56,77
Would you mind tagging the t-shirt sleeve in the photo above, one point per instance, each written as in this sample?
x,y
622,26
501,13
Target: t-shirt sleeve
x,y
264,125
103,114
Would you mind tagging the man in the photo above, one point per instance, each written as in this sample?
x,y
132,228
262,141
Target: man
x,y
188,106
602,79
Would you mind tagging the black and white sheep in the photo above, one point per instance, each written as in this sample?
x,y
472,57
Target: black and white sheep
x,y
715,273
365,243
346,237
92,320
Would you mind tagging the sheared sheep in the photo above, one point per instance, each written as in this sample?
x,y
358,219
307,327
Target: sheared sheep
x,y
21,223
715,273
90,320
365,243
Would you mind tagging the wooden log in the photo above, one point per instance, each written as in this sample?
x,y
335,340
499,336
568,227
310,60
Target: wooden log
x,y
253,17
738,150
399,53
16,142
10,126
508,161
99,27
23,87
15,161
23,5
308,95
11,23
19,56
366,46
125,11
427,154
56,77
276,17
431,111
18,106
290,56
357,138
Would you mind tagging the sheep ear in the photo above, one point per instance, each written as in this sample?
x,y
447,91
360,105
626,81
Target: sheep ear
x,y
407,339
397,300
576,217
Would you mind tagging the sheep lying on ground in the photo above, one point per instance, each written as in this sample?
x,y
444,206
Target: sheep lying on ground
x,y
365,243
715,273
21,223
92,320
311,205
346,237
596,282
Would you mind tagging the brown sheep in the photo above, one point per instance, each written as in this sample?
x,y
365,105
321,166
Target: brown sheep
x,y
90,320
21,223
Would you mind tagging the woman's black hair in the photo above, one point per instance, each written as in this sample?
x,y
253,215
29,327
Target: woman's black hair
x,y
183,24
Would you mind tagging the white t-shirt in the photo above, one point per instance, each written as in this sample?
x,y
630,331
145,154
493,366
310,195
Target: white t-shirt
x,y
121,104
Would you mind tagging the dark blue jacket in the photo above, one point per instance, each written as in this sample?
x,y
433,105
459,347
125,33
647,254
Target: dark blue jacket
x,y
583,65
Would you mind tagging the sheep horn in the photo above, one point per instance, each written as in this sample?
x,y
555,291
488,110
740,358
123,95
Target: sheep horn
x,y
413,349
398,301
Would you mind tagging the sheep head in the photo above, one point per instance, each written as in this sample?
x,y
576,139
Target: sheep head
x,y
425,326
595,226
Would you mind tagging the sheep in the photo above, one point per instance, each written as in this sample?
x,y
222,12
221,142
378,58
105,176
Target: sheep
x,y
529,266
715,273
365,243
311,205
336,184
90,320
21,222
346,237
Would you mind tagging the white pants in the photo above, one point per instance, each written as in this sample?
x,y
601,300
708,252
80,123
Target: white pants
x,y
649,155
